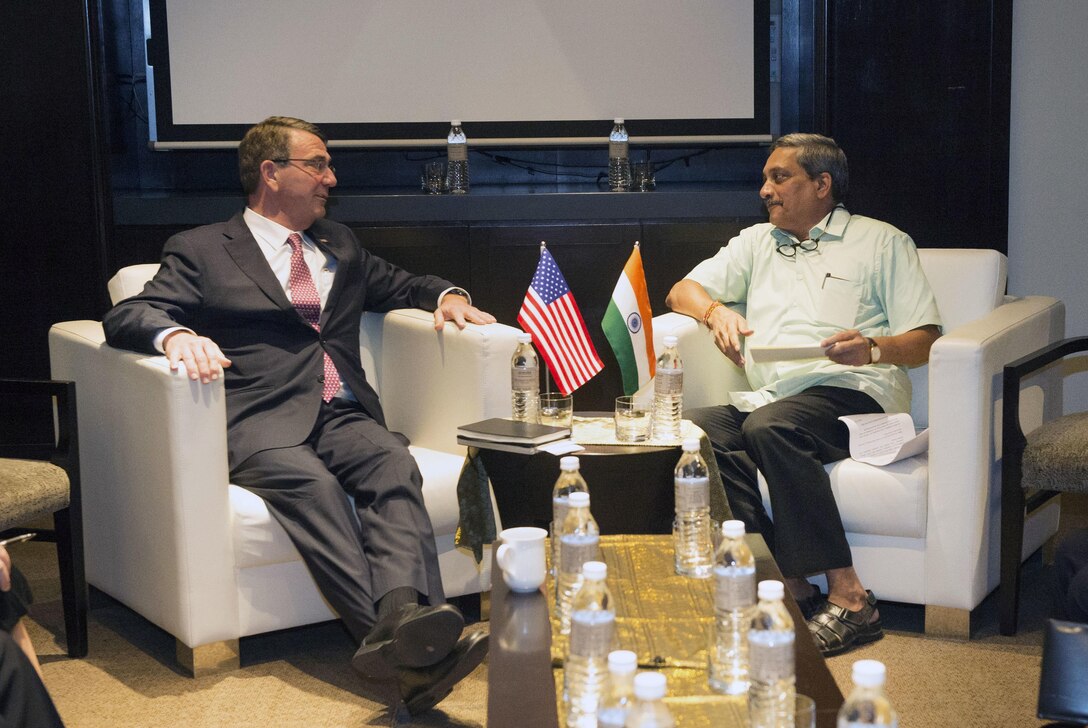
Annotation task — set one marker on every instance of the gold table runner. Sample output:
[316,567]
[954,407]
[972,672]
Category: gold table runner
[665,619]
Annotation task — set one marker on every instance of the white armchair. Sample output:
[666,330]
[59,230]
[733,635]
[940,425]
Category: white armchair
[167,535]
[925,530]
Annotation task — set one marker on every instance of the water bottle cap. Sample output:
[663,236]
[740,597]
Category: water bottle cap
[579,499]
[649,686]
[670,340]
[771,590]
[455,122]
[733,529]
[524,338]
[618,120]
[691,445]
[622,661]
[869,673]
[595,570]
[569,462]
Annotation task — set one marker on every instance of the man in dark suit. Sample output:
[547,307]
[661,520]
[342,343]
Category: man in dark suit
[271,301]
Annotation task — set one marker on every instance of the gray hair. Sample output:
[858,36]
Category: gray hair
[270,139]
[818,154]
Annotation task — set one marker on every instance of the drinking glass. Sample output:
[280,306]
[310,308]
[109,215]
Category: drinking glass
[556,410]
[642,176]
[632,420]
[433,177]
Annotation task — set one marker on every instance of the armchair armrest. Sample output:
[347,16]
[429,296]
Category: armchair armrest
[965,369]
[432,382]
[1014,374]
[154,467]
[709,376]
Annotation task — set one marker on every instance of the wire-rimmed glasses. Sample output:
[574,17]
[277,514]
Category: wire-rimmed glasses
[317,165]
[789,250]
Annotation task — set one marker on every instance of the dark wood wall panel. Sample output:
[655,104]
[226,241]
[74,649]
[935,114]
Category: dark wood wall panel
[918,96]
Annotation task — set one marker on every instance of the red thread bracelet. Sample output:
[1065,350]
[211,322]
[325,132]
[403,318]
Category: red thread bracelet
[710,309]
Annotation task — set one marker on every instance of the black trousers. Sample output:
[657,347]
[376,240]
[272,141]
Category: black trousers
[24,702]
[789,441]
[354,563]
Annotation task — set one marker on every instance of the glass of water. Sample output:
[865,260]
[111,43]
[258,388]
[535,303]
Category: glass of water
[556,410]
[632,419]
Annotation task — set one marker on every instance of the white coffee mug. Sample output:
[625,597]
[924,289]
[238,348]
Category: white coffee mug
[521,558]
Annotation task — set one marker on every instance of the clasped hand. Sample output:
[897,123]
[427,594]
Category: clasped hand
[848,347]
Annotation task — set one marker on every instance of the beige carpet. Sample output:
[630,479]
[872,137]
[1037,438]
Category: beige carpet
[302,678]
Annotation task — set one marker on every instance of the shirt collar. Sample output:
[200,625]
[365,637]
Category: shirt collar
[831,227]
[270,235]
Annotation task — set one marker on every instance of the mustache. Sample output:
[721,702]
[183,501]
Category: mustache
[772,203]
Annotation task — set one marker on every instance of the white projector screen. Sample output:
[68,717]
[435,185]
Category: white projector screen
[394,72]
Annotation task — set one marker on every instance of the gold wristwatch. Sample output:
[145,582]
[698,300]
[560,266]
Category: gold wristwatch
[874,350]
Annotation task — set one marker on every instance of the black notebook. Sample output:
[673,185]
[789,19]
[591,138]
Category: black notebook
[499,429]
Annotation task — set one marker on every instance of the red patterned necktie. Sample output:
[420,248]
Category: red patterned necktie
[307,302]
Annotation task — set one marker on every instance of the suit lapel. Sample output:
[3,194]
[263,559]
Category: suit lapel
[242,247]
[341,250]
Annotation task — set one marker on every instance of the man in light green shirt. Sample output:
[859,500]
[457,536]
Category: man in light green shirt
[814,276]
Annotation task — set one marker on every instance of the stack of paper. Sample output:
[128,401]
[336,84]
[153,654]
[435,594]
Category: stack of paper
[882,439]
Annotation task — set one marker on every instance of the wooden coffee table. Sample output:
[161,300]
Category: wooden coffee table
[651,601]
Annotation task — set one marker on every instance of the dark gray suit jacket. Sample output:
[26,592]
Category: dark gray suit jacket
[216,281]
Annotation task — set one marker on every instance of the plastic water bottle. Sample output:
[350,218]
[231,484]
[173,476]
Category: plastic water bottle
[649,709]
[570,480]
[579,541]
[456,159]
[693,543]
[619,162]
[772,691]
[734,597]
[868,704]
[592,631]
[525,381]
[619,692]
[668,393]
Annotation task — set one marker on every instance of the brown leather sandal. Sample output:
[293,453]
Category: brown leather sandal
[837,629]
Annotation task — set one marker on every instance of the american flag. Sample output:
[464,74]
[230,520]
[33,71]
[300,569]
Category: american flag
[551,315]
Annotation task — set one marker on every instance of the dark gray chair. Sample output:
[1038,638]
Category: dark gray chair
[39,480]
[1063,678]
[1050,460]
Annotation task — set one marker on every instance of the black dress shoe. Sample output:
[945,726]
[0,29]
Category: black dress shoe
[411,637]
[425,688]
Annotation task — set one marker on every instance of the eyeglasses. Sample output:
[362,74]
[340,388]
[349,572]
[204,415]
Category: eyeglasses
[318,165]
[789,250]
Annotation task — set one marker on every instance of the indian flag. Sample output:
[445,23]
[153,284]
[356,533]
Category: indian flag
[628,328]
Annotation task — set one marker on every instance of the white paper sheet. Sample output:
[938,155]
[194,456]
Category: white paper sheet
[764,354]
[881,439]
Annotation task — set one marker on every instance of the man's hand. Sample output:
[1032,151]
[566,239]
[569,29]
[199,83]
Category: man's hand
[911,348]
[728,327]
[847,347]
[5,569]
[457,309]
[202,358]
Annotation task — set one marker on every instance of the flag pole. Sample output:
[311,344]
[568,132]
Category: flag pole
[547,372]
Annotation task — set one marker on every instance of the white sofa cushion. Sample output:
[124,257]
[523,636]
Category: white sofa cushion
[886,501]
